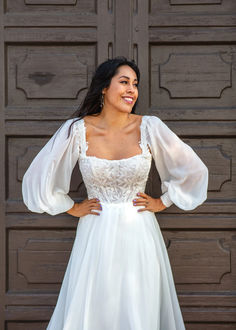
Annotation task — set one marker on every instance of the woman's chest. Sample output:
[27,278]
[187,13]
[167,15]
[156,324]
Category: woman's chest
[115,146]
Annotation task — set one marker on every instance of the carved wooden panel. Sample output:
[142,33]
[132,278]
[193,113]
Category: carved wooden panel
[195,75]
[186,52]
[192,7]
[47,76]
[214,326]
[64,6]
[205,261]
[194,2]
[192,82]
[26,325]
[38,259]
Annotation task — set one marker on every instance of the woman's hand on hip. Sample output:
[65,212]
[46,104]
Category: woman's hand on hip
[81,209]
[150,203]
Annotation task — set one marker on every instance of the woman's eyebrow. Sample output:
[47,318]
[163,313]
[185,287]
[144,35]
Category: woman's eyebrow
[127,77]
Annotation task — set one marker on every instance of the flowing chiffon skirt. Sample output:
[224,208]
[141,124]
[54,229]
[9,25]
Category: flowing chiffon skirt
[118,276]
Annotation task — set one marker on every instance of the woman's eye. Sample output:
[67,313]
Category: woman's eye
[124,81]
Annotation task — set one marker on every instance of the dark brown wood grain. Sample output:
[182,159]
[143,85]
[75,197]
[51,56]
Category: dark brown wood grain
[186,51]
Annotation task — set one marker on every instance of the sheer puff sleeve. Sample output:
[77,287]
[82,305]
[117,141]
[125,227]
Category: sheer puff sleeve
[184,177]
[46,182]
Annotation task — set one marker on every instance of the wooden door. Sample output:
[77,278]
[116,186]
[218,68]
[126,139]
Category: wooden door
[186,50]
[190,53]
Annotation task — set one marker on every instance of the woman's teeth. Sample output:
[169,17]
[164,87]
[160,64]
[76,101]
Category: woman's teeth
[128,100]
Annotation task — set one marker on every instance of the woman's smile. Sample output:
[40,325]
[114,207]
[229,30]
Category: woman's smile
[128,99]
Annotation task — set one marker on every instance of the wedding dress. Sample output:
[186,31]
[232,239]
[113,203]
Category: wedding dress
[119,275]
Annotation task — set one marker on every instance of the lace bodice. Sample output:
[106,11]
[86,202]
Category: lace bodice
[114,181]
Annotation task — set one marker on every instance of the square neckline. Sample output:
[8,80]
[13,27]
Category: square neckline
[114,160]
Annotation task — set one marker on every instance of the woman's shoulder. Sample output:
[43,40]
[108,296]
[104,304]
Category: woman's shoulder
[70,121]
[151,122]
[152,118]
[91,119]
[69,127]
[73,122]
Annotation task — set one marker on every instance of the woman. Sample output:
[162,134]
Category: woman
[118,276]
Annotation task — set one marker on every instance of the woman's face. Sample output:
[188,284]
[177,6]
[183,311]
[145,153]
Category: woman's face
[122,93]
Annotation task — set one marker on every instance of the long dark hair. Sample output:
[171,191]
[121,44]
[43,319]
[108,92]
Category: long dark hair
[102,79]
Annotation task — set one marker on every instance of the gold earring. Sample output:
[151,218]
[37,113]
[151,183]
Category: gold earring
[102,101]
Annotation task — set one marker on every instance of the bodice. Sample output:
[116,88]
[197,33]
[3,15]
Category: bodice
[114,181]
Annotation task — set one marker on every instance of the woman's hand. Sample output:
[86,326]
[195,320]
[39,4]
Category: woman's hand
[80,209]
[150,203]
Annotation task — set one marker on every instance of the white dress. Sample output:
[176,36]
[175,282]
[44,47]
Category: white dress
[119,275]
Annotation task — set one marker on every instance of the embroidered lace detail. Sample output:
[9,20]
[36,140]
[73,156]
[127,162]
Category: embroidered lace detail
[114,180]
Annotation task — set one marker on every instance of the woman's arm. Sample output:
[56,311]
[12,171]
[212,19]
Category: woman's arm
[46,182]
[184,176]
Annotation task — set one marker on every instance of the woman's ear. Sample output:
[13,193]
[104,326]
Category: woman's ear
[104,90]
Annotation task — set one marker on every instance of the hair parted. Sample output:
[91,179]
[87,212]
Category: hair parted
[100,80]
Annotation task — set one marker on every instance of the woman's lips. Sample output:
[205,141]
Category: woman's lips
[127,100]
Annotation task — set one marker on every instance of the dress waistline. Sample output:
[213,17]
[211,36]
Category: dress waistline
[120,205]
[116,204]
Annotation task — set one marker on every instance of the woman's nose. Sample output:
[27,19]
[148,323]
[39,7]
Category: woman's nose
[131,89]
